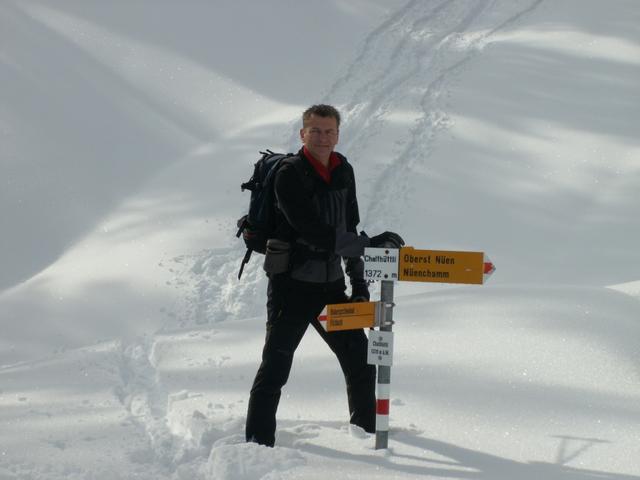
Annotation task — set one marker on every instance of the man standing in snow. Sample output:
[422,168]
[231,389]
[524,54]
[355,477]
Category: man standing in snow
[317,219]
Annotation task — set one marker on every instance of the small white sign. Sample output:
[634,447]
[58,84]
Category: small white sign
[380,348]
[381,264]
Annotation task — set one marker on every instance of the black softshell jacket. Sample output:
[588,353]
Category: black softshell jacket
[317,219]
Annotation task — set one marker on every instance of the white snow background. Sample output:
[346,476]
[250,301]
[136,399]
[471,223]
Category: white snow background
[127,345]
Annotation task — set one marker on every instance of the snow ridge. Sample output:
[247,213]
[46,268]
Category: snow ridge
[413,56]
[141,394]
[210,287]
[179,435]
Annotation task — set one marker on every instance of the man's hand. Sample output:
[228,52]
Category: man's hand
[358,299]
[359,293]
[386,240]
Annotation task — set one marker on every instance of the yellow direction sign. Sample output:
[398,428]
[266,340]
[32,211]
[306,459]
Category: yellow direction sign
[443,266]
[348,316]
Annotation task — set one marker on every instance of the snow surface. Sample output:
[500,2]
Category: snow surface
[128,346]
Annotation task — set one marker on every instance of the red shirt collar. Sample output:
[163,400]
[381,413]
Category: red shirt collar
[324,172]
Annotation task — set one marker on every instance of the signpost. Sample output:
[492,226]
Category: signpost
[380,348]
[389,265]
[349,316]
[381,264]
[443,266]
[384,369]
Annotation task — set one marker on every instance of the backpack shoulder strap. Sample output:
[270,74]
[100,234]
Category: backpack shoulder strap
[304,171]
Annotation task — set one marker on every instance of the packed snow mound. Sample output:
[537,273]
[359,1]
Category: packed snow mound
[250,462]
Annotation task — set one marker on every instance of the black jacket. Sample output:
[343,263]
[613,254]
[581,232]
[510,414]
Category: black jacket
[320,221]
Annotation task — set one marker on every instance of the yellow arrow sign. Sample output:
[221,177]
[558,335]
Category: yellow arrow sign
[348,316]
[443,266]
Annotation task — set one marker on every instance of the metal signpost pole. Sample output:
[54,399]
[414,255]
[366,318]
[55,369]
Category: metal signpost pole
[384,372]
[410,265]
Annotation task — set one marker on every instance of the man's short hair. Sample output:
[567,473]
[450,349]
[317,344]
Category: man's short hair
[321,110]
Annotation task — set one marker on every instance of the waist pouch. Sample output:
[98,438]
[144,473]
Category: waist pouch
[277,256]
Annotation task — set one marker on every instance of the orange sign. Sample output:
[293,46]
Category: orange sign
[348,316]
[443,266]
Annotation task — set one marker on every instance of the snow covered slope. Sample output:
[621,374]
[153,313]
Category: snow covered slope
[496,383]
[128,346]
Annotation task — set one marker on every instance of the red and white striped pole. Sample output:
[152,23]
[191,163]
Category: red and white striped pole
[382,413]
[384,372]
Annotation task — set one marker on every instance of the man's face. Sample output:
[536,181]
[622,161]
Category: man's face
[320,136]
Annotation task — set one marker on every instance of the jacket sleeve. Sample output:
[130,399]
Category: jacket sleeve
[354,264]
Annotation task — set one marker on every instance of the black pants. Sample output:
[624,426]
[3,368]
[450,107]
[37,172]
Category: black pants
[289,314]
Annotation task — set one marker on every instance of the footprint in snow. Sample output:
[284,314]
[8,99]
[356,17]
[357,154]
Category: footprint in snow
[248,461]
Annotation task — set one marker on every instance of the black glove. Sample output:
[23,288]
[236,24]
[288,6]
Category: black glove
[359,292]
[386,240]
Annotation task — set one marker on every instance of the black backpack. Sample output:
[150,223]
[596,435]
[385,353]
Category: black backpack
[260,223]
